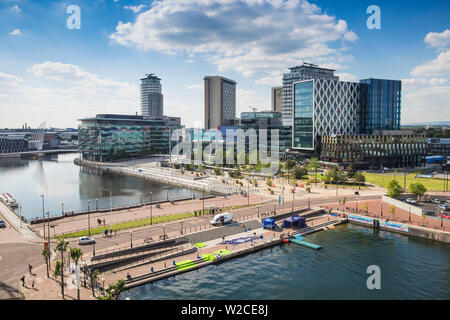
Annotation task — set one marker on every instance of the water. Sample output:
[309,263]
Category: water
[411,268]
[61,181]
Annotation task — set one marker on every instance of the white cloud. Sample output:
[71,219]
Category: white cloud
[16,9]
[347,77]
[16,32]
[194,86]
[65,93]
[425,99]
[253,37]
[438,39]
[248,98]
[437,67]
[135,9]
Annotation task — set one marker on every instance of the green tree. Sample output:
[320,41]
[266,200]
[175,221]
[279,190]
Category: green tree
[113,291]
[57,270]
[351,172]
[75,255]
[300,173]
[314,166]
[93,275]
[46,254]
[269,182]
[290,164]
[393,211]
[418,189]
[394,190]
[359,178]
[217,171]
[61,246]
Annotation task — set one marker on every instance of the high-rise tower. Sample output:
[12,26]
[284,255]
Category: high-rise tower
[151,96]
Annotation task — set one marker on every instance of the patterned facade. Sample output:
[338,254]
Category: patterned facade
[323,107]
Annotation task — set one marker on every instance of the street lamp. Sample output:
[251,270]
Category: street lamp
[151,215]
[89,220]
[164,232]
[96,204]
[48,229]
[20,215]
[131,239]
[62,209]
[43,215]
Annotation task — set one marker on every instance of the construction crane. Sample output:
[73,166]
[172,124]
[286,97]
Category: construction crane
[253,108]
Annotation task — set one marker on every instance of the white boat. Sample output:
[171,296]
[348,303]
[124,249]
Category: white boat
[9,200]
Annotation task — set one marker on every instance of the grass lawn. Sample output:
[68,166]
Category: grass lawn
[432,184]
[142,222]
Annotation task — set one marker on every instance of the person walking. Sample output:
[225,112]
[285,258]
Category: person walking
[29,268]
[32,284]
[23,281]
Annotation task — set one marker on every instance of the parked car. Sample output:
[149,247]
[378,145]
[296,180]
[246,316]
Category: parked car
[435,200]
[444,207]
[2,224]
[411,201]
[429,213]
[85,240]
[448,200]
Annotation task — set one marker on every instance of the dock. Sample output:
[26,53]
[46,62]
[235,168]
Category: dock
[300,240]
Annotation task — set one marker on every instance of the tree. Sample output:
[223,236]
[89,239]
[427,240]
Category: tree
[61,246]
[93,275]
[394,190]
[351,172]
[314,166]
[300,172]
[114,290]
[393,211]
[269,182]
[46,254]
[75,255]
[359,178]
[217,171]
[418,189]
[290,164]
[57,270]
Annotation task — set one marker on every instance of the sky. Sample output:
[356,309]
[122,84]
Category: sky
[56,74]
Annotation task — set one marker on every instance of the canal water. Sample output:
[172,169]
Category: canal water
[63,182]
[411,268]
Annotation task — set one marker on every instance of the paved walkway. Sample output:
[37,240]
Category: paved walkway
[21,227]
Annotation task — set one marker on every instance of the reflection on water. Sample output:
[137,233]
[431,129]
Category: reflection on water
[68,186]
[411,268]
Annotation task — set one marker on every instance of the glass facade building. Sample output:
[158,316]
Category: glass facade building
[391,149]
[110,137]
[303,126]
[380,104]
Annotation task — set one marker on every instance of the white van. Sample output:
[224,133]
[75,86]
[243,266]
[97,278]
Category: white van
[222,218]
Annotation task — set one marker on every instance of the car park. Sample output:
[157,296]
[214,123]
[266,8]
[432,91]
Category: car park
[435,200]
[85,240]
[2,224]
[444,207]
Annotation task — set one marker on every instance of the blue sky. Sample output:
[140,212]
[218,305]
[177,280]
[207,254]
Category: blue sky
[50,73]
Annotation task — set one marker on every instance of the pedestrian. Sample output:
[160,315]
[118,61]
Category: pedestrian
[29,268]
[23,281]
[104,222]
[32,284]
[223,239]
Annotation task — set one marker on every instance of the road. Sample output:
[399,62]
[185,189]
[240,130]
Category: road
[194,224]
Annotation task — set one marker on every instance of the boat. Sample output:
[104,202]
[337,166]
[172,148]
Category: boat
[9,200]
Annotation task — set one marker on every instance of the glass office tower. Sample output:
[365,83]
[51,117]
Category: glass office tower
[380,104]
[303,120]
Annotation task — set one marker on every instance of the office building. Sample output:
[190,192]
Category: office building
[438,146]
[380,104]
[220,102]
[323,107]
[384,148]
[110,137]
[269,121]
[151,96]
[277,100]
[299,73]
